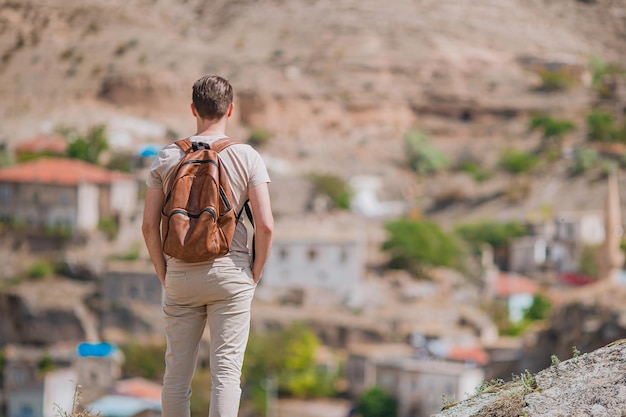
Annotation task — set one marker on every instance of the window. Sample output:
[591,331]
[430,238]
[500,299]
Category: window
[284,254]
[312,254]
[344,255]
[5,193]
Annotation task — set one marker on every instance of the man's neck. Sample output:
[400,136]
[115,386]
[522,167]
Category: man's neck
[210,127]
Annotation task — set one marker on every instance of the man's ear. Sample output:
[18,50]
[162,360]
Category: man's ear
[193,110]
[230,110]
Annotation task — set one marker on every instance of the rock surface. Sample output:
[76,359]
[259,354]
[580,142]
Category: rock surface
[592,384]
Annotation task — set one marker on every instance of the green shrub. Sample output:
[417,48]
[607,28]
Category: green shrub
[40,269]
[259,138]
[539,309]
[497,234]
[143,360]
[600,69]
[287,357]
[551,127]
[90,147]
[518,162]
[555,80]
[585,158]
[375,402]
[588,263]
[109,227]
[476,171]
[601,127]
[424,158]
[334,188]
[416,245]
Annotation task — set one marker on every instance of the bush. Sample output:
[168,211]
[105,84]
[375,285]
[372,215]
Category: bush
[376,402]
[143,360]
[417,245]
[498,235]
[585,159]
[288,357]
[551,127]
[518,162]
[40,269]
[90,147]
[424,158]
[476,171]
[109,227]
[555,80]
[600,69]
[601,127]
[335,188]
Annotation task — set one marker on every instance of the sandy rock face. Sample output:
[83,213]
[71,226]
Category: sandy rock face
[592,384]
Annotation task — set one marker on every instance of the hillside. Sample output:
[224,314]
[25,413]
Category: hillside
[337,84]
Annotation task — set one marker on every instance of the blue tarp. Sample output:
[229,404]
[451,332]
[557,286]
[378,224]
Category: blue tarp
[96,349]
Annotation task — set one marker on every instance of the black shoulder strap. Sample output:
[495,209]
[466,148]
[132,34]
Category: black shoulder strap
[248,210]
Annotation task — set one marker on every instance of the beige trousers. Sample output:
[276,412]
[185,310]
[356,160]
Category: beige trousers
[195,294]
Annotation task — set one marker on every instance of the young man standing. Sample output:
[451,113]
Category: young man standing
[219,291]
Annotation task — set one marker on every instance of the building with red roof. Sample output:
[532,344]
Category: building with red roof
[60,192]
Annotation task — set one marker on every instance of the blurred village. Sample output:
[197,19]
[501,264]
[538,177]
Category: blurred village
[447,183]
[77,284]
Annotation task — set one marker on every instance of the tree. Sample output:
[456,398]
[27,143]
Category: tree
[91,146]
[416,245]
[287,357]
[377,403]
[337,189]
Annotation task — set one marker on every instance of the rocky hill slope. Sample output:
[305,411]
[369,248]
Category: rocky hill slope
[592,384]
[337,84]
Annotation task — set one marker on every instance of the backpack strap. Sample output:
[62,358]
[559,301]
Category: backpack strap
[221,144]
[248,210]
[185,144]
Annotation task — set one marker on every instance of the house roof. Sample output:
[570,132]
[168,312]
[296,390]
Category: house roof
[61,171]
[43,143]
[139,388]
[512,284]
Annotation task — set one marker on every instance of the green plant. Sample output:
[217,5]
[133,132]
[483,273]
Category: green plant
[539,309]
[478,173]
[550,126]
[585,158]
[109,226]
[554,360]
[417,245]
[588,262]
[334,188]
[40,269]
[497,234]
[575,352]
[600,69]
[143,360]
[259,138]
[518,162]
[555,80]
[288,357]
[375,402]
[423,156]
[601,127]
[90,147]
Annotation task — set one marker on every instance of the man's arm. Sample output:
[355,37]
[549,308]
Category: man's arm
[264,227]
[151,229]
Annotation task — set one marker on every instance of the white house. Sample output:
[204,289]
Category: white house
[58,192]
[313,257]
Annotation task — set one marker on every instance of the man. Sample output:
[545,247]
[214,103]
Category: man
[218,290]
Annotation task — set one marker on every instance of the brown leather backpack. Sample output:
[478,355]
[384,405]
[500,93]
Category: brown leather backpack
[198,220]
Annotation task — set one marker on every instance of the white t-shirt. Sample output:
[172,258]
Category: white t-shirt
[245,170]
